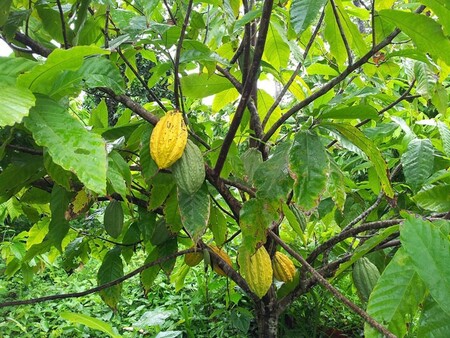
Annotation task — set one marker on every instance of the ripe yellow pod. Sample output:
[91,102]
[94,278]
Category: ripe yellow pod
[257,271]
[283,268]
[168,139]
[224,256]
[193,258]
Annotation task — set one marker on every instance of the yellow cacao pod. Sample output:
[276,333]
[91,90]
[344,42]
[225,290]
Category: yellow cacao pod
[224,256]
[168,139]
[257,270]
[193,258]
[283,268]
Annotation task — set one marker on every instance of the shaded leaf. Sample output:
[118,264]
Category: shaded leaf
[434,323]
[417,162]
[15,103]
[111,269]
[303,13]
[113,219]
[436,198]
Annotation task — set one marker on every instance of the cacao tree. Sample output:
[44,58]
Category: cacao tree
[316,129]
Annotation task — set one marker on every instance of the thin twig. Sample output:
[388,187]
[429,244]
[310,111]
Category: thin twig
[100,287]
[371,321]
[141,80]
[172,17]
[63,24]
[341,31]
[177,86]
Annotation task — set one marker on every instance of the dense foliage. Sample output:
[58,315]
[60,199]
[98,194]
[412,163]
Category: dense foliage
[324,132]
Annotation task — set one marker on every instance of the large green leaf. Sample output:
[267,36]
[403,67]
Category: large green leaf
[69,144]
[218,226]
[396,297]
[198,86]
[355,136]
[360,111]
[436,198]
[59,225]
[434,323]
[426,33]
[308,165]
[15,103]
[41,79]
[111,269]
[5,6]
[442,9]
[90,322]
[425,79]
[194,211]
[417,162]
[429,250]
[333,36]
[255,218]
[303,13]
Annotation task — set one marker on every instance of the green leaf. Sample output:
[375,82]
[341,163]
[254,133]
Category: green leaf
[111,269]
[418,162]
[218,225]
[69,144]
[336,185]
[396,297]
[113,219]
[37,232]
[194,211]
[360,111]
[198,86]
[99,115]
[442,9]
[303,13]
[355,136]
[15,103]
[429,250]
[426,79]
[444,131]
[436,198]
[267,179]
[43,77]
[276,51]
[251,159]
[440,99]
[57,173]
[93,323]
[333,36]
[4,11]
[255,218]
[162,185]
[426,33]
[308,164]
[19,173]
[433,323]
[59,226]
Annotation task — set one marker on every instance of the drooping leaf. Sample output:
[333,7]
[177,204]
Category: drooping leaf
[336,185]
[37,232]
[251,159]
[426,33]
[276,51]
[162,185]
[333,36]
[308,165]
[93,323]
[426,79]
[69,144]
[435,198]
[111,269]
[256,216]
[218,226]
[303,13]
[63,177]
[396,297]
[4,11]
[444,131]
[355,136]
[59,225]
[19,173]
[194,211]
[417,162]
[429,251]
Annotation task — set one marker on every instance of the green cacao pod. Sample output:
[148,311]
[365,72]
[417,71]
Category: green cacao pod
[189,170]
[113,219]
[222,254]
[283,267]
[193,258]
[168,139]
[257,270]
[365,275]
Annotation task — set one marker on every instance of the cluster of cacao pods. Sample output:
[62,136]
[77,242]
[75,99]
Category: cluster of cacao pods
[170,147]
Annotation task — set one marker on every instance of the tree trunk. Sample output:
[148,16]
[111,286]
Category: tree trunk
[267,316]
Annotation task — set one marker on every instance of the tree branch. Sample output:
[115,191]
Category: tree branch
[177,86]
[248,86]
[372,322]
[341,31]
[35,46]
[63,24]
[100,287]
